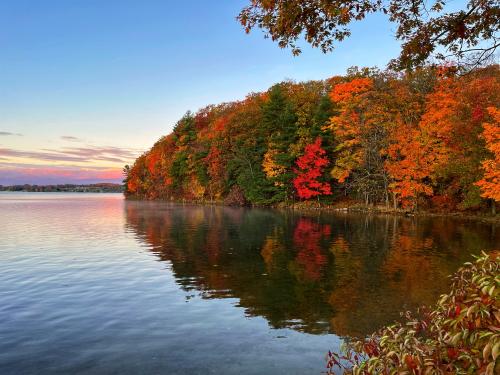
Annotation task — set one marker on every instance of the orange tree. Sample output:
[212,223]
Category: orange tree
[490,183]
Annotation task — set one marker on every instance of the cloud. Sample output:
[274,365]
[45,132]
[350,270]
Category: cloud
[46,174]
[64,165]
[71,138]
[75,154]
[8,152]
[11,165]
[9,133]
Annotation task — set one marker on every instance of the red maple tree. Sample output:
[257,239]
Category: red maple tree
[309,170]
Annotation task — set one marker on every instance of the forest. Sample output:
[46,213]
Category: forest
[422,140]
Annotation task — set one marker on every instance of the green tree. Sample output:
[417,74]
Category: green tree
[279,121]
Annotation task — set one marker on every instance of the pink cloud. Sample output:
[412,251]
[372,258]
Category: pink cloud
[13,175]
[75,154]
[30,172]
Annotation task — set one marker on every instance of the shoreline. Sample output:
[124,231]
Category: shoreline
[342,208]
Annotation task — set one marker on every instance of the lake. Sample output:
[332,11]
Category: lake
[91,283]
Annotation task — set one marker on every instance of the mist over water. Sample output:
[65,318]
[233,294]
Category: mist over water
[90,283]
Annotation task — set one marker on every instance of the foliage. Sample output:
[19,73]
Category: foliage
[420,139]
[360,128]
[309,169]
[425,29]
[459,335]
[490,184]
[236,197]
[280,120]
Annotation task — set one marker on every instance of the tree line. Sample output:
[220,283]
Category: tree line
[423,139]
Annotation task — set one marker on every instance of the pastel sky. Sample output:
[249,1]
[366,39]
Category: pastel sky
[87,85]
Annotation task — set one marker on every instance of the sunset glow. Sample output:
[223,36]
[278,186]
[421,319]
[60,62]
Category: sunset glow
[86,89]
[65,160]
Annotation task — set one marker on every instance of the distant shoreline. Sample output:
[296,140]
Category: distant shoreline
[65,191]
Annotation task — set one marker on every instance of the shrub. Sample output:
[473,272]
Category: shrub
[461,335]
[236,197]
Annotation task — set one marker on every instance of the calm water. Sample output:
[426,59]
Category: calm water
[94,284]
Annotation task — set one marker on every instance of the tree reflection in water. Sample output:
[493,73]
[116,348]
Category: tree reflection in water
[346,274]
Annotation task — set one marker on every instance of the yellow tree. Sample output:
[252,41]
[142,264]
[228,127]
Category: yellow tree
[271,168]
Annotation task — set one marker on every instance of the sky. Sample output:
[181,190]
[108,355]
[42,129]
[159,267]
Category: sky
[88,85]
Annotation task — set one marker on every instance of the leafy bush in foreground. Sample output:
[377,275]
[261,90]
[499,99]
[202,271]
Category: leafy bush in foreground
[461,335]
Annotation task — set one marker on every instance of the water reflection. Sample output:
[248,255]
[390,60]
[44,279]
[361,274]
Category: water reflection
[314,272]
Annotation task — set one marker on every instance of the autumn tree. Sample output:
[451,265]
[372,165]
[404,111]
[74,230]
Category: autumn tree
[450,129]
[309,170]
[312,108]
[409,166]
[246,143]
[345,126]
[490,183]
[216,172]
[360,130]
[426,30]
[136,179]
[279,119]
[406,159]
[474,94]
